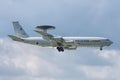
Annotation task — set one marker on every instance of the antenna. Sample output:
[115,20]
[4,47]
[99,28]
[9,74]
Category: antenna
[44,28]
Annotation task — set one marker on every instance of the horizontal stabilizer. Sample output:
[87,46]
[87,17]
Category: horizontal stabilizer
[15,38]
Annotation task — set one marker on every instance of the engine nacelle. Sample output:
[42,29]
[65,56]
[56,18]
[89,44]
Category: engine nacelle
[69,43]
[71,48]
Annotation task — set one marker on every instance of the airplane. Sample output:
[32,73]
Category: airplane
[60,43]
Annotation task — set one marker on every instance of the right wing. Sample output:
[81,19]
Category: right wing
[56,39]
[44,34]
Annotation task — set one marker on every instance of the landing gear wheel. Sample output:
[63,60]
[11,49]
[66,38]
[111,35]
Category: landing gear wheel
[60,49]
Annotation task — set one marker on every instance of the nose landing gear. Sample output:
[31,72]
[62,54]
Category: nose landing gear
[101,48]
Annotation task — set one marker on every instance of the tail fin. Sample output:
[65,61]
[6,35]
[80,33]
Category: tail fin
[19,31]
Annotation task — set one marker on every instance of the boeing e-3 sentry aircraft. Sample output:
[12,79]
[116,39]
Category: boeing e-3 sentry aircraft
[60,43]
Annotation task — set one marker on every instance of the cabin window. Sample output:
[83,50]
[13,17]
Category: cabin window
[107,39]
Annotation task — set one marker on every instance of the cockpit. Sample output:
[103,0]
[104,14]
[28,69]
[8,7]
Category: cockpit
[107,40]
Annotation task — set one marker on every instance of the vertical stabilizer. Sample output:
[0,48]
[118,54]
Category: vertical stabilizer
[19,31]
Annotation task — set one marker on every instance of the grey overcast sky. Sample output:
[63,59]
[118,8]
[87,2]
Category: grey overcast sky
[71,18]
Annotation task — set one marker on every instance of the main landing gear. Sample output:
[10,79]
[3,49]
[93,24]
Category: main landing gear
[60,49]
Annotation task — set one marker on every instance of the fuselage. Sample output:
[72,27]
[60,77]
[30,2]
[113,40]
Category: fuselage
[90,41]
[71,41]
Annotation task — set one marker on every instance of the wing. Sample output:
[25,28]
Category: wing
[58,40]
[44,34]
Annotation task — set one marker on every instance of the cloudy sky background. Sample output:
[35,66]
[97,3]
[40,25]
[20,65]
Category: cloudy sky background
[71,18]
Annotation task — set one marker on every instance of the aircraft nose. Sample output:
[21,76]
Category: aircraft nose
[111,42]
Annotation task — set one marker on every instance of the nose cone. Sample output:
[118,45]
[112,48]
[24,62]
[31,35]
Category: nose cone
[110,42]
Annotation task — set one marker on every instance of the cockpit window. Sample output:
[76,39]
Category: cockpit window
[107,39]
